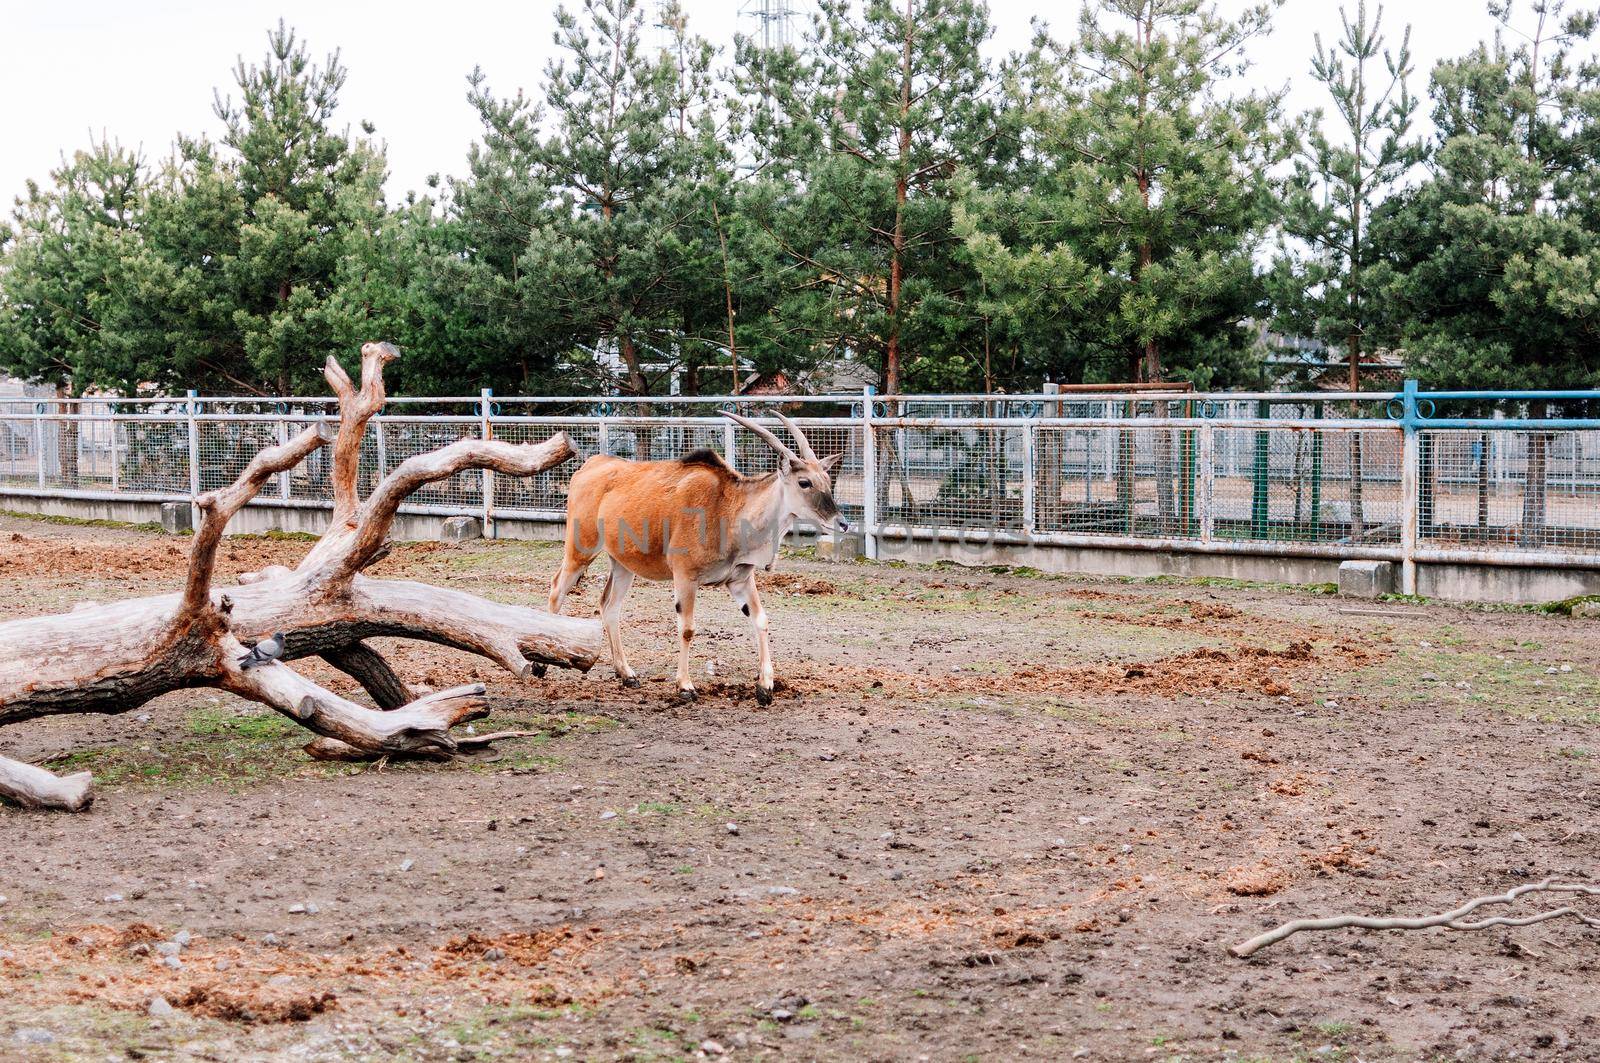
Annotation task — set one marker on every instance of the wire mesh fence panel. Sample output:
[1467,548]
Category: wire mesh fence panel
[544,492]
[67,451]
[97,452]
[1509,489]
[19,454]
[226,447]
[311,480]
[405,437]
[153,456]
[956,477]
[661,439]
[1307,485]
[1137,480]
[1077,464]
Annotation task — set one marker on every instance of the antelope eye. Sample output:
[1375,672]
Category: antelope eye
[806,484]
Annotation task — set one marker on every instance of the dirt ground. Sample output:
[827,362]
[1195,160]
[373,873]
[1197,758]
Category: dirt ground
[991,816]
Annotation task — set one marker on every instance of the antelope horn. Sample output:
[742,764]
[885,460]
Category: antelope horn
[772,441]
[799,437]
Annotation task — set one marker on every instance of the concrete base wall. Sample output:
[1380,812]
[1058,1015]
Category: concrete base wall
[1099,561]
[1450,582]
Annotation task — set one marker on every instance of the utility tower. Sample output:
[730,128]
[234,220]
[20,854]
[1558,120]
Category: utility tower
[775,21]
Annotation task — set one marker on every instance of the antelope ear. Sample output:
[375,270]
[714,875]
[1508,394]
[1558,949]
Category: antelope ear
[831,462]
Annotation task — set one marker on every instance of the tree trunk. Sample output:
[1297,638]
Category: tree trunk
[67,438]
[1357,515]
[727,293]
[113,658]
[902,186]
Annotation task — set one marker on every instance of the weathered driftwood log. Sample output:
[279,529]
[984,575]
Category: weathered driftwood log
[112,658]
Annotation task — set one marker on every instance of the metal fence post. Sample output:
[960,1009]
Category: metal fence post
[1030,479]
[38,441]
[486,428]
[383,446]
[1261,480]
[116,466]
[1410,488]
[286,475]
[1205,500]
[190,409]
[869,477]
[730,445]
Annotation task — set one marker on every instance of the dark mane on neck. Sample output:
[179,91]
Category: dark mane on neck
[710,459]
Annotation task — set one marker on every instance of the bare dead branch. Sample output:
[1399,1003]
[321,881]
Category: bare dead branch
[366,666]
[356,408]
[421,726]
[1451,920]
[376,515]
[333,749]
[36,788]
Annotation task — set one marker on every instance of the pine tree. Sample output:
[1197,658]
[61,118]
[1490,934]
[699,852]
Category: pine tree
[309,192]
[478,311]
[607,250]
[1131,237]
[62,291]
[248,245]
[1495,255]
[858,136]
[1338,182]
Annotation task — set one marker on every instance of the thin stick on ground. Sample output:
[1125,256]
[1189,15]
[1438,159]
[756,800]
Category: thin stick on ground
[1456,919]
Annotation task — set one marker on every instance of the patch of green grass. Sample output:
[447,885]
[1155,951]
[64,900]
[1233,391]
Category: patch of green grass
[530,753]
[221,745]
[85,522]
[274,535]
[1228,583]
[1520,688]
[492,1023]
[1334,1029]
[1565,605]
[1029,572]
[218,720]
[1574,753]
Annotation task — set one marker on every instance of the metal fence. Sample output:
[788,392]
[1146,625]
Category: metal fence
[1365,476]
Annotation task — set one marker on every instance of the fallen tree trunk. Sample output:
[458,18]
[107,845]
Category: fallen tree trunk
[113,658]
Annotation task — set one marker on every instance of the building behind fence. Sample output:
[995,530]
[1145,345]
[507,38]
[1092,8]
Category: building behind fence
[1507,479]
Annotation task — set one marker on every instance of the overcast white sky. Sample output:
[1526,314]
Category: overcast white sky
[140,70]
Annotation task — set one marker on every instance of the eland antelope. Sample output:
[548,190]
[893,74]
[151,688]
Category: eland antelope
[697,522]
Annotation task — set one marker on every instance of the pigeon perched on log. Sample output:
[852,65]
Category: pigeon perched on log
[264,652]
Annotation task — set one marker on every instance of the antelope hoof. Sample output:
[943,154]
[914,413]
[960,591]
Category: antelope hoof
[763,694]
[687,694]
[630,681]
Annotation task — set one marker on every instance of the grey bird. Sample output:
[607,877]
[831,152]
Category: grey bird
[264,652]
